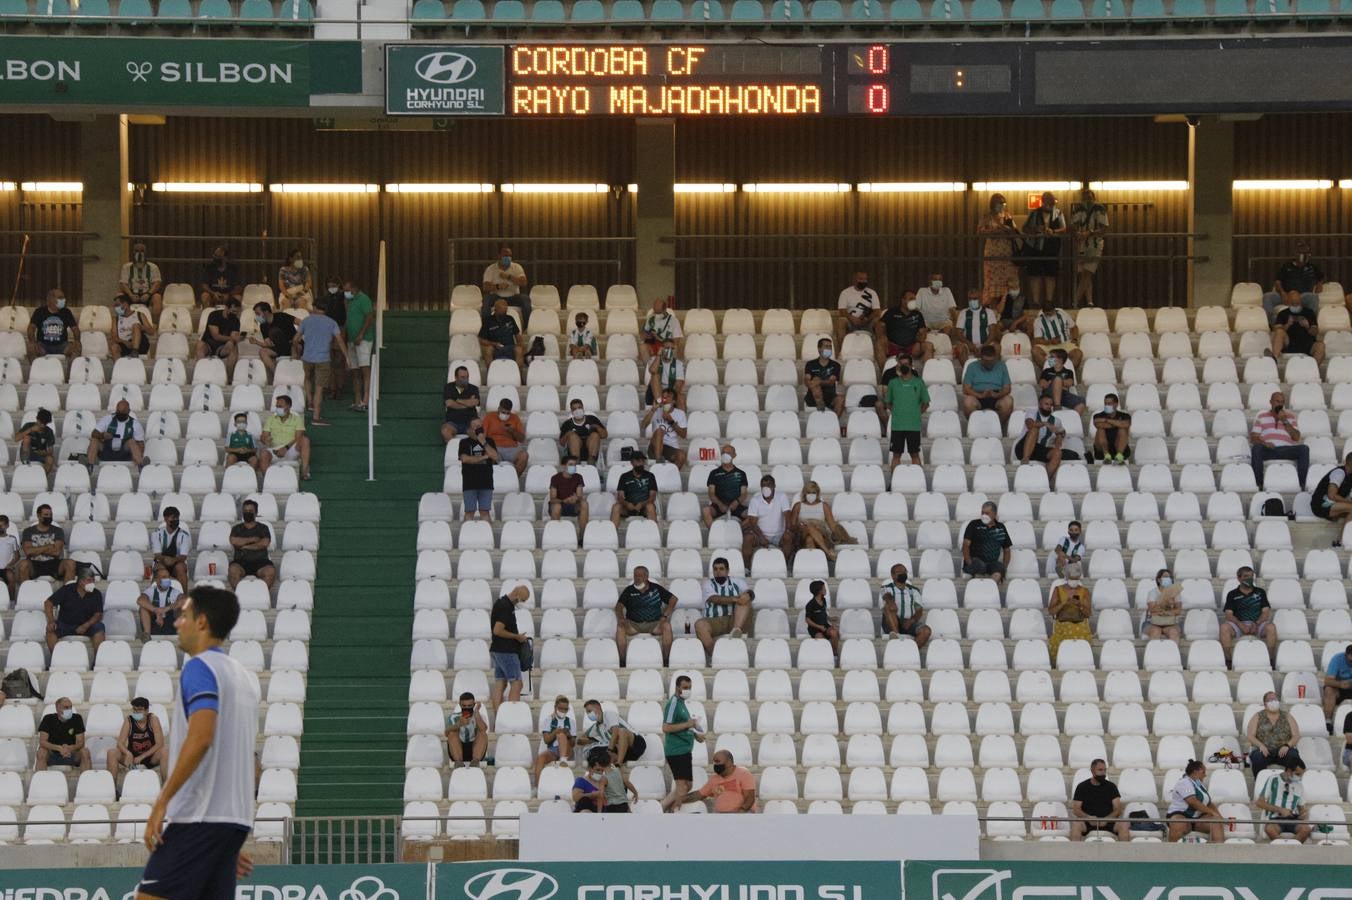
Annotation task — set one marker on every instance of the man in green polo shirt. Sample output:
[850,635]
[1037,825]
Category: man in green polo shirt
[908,399]
[361,341]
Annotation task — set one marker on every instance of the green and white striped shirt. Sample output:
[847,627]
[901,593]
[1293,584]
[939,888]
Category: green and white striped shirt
[1055,327]
[907,599]
[1281,793]
[731,588]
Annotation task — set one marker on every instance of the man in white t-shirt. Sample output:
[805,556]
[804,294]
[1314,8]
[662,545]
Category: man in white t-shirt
[9,556]
[506,279]
[936,304]
[660,329]
[858,308]
[664,424]
[118,437]
[140,281]
[766,519]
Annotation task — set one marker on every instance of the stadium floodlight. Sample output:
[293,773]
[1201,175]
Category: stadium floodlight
[1345,183]
[8,186]
[803,187]
[469,188]
[1138,185]
[324,188]
[704,188]
[56,187]
[207,187]
[1030,186]
[912,187]
[512,188]
[1287,184]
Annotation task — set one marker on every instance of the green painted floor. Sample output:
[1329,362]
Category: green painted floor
[356,708]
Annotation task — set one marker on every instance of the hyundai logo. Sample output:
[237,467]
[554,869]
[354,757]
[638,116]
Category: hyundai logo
[445,68]
[519,884]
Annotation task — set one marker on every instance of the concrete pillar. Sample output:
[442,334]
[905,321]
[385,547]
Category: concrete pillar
[1211,171]
[106,202]
[654,173]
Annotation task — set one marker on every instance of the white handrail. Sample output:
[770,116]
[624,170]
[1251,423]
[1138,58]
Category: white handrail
[372,406]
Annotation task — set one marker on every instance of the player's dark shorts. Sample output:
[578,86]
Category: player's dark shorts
[905,442]
[194,860]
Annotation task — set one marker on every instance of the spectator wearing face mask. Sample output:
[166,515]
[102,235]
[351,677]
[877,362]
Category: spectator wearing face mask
[822,378]
[1190,802]
[1042,246]
[478,455]
[1247,612]
[666,372]
[767,518]
[986,546]
[857,309]
[731,787]
[937,304]
[661,327]
[606,729]
[359,323]
[1112,432]
[140,742]
[999,232]
[589,790]
[812,526]
[1331,499]
[665,424]
[1058,381]
[505,280]
[318,339]
[680,731]
[1163,609]
[1272,736]
[1042,438]
[240,446]
[37,441]
[251,540]
[118,437]
[986,385]
[1295,329]
[605,770]
[129,334]
[566,494]
[220,280]
[76,610]
[500,336]
[581,341]
[504,649]
[1070,608]
[505,429]
[462,405]
[817,621]
[1089,222]
[467,733]
[295,284]
[61,739]
[44,546]
[276,334]
[284,437]
[222,335]
[1054,330]
[1097,805]
[159,604]
[1275,436]
[902,332]
[9,558]
[140,281]
[1013,308]
[644,607]
[726,487]
[1301,274]
[557,733]
[636,493]
[908,400]
[581,434]
[171,545]
[1282,804]
[727,607]
[902,610]
[977,325]
[1070,549]
[52,330]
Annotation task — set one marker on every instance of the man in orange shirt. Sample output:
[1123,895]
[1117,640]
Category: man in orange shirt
[506,431]
[732,787]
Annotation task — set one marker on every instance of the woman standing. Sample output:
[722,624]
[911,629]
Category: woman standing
[1070,608]
[997,267]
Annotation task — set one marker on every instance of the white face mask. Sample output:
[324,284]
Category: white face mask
[1273,705]
[299,263]
[1073,582]
[1166,580]
[1013,292]
[767,492]
[591,720]
[504,416]
[66,714]
[667,407]
[571,469]
[241,426]
[936,285]
[913,305]
[986,520]
[683,694]
[278,411]
[726,459]
[810,497]
[826,353]
[1110,408]
[578,415]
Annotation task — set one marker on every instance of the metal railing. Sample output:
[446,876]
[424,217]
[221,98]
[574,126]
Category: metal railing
[377,351]
[808,270]
[257,256]
[33,262]
[560,261]
[1259,256]
[337,840]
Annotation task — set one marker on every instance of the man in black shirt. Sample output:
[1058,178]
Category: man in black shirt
[504,647]
[278,332]
[1112,432]
[1295,329]
[37,441]
[903,330]
[1247,612]
[500,336]
[220,280]
[478,456]
[1058,382]
[44,549]
[644,608]
[251,540]
[727,489]
[75,610]
[636,494]
[580,435]
[61,738]
[1097,805]
[222,336]
[52,330]
[462,405]
[1301,274]
[986,545]
[822,377]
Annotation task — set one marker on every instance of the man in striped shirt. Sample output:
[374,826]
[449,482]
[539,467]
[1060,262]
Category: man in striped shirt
[902,610]
[727,607]
[1280,802]
[1275,436]
[1054,330]
[977,325]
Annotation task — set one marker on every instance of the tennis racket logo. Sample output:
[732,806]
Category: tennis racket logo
[969,884]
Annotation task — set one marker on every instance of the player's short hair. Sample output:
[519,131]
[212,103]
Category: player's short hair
[221,607]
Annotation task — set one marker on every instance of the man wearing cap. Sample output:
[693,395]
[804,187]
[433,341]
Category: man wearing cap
[140,742]
[76,610]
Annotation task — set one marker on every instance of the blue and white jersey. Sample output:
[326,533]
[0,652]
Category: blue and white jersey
[222,788]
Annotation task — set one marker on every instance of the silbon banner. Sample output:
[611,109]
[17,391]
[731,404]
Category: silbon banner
[684,880]
[374,882]
[997,880]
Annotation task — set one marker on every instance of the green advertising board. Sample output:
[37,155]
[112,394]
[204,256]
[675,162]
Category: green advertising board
[444,80]
[400,881]
[1000,880]
[159,72]
[670,880]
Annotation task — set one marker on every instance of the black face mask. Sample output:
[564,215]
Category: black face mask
[861,285]
[122,417]
[721,579]
[900,579]
[45,520]
[720,769]
[250,516]
[904,371]
[1074,535]
[466,710]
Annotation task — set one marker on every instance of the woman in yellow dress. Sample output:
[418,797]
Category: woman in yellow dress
[997,268]
[1070,608]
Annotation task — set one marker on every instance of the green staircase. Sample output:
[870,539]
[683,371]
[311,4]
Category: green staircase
[356,707]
